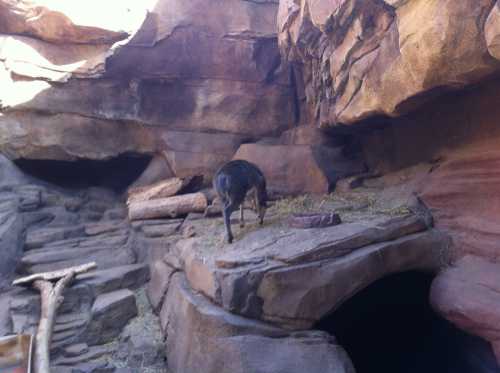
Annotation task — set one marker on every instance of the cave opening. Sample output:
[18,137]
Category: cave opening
[116,173]
[390,327]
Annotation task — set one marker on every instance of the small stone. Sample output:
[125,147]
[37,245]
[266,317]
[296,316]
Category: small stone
[314,220]
[76,350]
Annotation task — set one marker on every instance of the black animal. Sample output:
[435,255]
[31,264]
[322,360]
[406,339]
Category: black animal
[232,182]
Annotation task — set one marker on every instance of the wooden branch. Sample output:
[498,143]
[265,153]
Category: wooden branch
[161,189]
[49,276]
[51,299]
[167,207]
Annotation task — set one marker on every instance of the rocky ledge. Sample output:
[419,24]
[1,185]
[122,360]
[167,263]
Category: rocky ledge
[226,307]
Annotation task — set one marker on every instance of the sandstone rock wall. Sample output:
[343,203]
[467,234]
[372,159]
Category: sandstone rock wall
[192,79]
[457,136]
[358,59]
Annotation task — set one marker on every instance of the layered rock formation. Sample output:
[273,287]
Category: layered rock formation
[246,307]
[357,59]
[46,228]
[365,61]
[192,80]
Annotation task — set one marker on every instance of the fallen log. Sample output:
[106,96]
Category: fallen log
[161,189]
[170,207]
[51,299]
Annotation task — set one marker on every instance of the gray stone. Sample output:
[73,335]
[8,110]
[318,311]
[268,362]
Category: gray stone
[10,174]
[85,355]
[55,259]
[110,313]
[75,350]
[5,319]
[104,281]
[40,237]
[158,286]
[11,232]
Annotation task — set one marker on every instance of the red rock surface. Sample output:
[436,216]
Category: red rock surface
[190,79]
[360,58]
[468,294]
[296,169]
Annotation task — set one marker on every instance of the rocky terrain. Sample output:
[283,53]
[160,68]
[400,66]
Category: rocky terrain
[384,111]
[52,228]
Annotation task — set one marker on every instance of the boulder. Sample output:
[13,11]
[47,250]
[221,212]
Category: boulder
[358,59]
[298,169]
[468,295]
[203,337]
[198,153]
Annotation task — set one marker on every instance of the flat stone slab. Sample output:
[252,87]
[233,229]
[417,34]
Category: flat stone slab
[263,275]
[295,246]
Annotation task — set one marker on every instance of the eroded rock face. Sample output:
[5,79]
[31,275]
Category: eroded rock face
[298,169]
[468,295]
[143,77]
[357,59]
[226,307]
[203,337]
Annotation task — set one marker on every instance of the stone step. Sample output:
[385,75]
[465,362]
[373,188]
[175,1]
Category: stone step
[39,237]
[78,322]
[117,238]
[93,367]
[95,229]
[92,353]
[105,257]
[123,277]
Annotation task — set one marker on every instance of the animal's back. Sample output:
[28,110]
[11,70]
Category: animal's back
[236,177]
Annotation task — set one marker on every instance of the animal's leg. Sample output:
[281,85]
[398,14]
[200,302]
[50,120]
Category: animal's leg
[228,210]
[255,202]
[258,207]
[242,219]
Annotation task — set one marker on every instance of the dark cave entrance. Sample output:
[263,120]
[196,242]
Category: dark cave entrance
[389,327]
[116,173]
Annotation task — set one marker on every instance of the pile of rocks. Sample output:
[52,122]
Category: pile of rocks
[44,228]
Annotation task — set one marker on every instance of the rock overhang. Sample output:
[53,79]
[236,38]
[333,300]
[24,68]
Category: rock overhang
[294,278]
